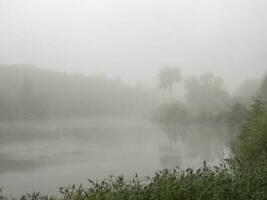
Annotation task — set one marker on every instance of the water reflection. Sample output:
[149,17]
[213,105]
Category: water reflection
[70,151]
[44,155]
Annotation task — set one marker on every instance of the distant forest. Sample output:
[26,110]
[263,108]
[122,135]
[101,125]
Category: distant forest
[27,92]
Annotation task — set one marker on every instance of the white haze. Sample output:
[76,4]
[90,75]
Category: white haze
[133,39]
[58,129]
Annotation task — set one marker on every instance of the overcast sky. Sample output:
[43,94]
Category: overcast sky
[132,39]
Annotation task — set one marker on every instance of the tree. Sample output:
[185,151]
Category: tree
[168,76]
[253,139]
[236,119]
[205,94]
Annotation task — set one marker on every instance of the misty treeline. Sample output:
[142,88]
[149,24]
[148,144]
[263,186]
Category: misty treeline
[209,118]
[27,92]
[205,94]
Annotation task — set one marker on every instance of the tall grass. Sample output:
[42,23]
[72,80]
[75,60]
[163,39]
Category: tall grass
[221,182]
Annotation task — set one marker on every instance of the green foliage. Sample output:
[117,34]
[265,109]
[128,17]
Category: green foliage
[217,183]
[251,152]
[236,120]
[254,135]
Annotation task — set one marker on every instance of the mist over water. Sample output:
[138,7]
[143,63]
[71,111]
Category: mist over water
[44,155]
[100,87]
[59,129]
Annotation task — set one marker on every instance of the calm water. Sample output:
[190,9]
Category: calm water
[41,156]
[44,155]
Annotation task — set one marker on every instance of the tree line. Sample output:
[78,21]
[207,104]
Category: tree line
[27,92]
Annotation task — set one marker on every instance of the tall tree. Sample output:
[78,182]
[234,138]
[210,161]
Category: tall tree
[168,76]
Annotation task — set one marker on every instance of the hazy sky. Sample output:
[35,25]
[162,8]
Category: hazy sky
[132,39]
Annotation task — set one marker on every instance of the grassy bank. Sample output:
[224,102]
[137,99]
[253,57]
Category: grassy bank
[222,182]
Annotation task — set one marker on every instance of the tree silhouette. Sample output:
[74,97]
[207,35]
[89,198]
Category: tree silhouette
[206,93]
[168,76]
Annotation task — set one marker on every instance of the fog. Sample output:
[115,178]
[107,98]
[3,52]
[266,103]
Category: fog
[92,88]
[133,39]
